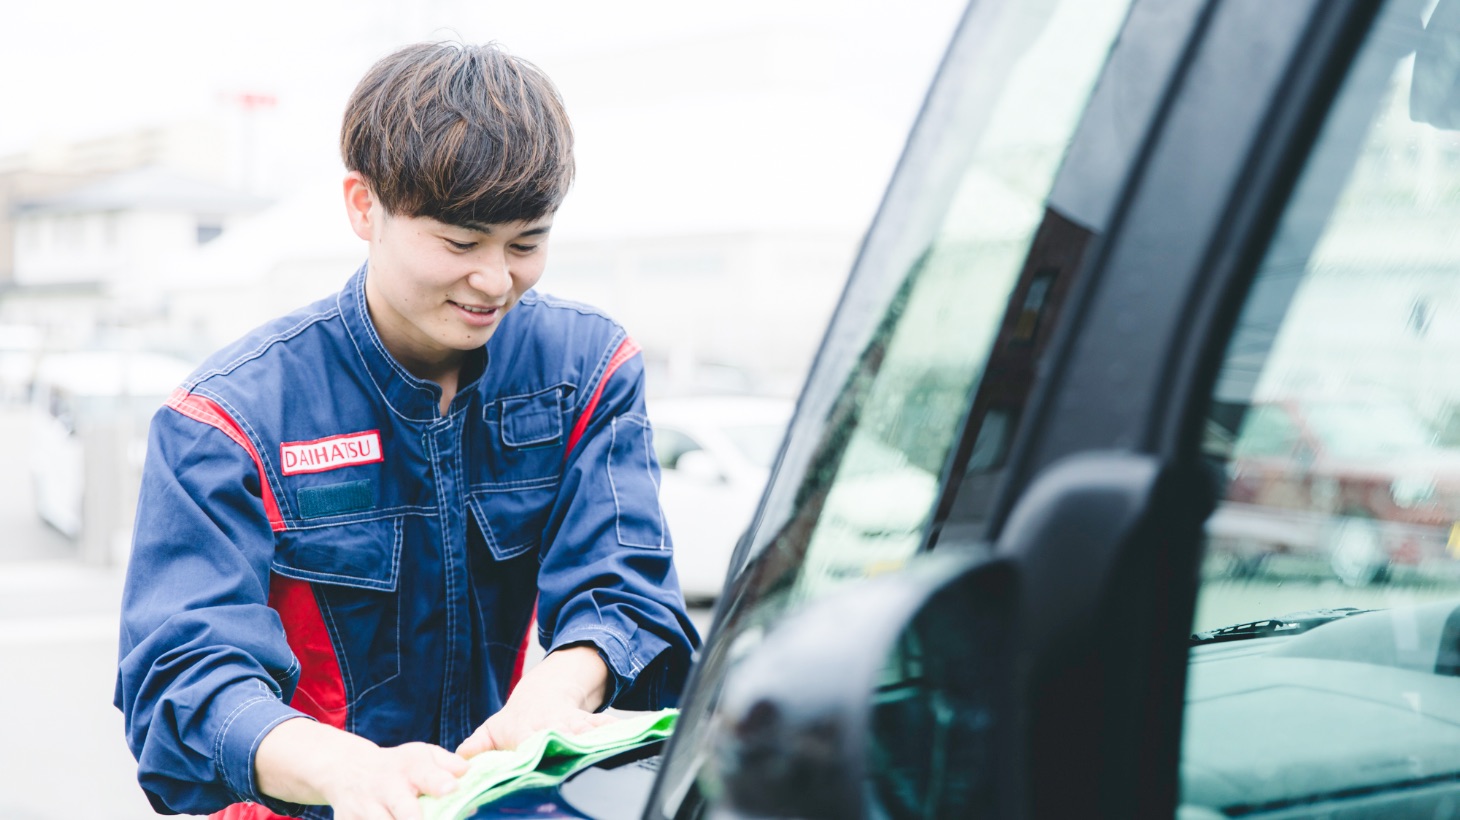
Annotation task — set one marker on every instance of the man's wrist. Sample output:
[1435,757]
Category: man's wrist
[299,761]
[579,671]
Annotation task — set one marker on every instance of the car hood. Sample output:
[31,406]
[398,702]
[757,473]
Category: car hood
[1370,703]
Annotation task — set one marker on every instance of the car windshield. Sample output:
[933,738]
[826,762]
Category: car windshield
[858,481]
[758,443]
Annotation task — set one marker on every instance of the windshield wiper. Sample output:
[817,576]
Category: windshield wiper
[1294,623]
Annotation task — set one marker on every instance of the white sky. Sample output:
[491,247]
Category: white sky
[798,106]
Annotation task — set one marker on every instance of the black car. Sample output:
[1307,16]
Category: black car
[975,584]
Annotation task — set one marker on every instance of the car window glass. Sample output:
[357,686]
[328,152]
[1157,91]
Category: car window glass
[907,399]
[864,505]
[1322,677]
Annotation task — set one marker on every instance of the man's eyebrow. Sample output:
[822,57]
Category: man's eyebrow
[482,227]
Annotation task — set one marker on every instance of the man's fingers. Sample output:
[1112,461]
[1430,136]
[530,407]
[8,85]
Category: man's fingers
[578,724]
[454,763]
[603,719]
[405,807]
[480,741]
[429,773]
[433,781]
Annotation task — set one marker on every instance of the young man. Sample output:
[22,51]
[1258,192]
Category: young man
[348,517]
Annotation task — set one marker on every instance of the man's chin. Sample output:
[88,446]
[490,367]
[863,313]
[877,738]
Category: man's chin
[472,340]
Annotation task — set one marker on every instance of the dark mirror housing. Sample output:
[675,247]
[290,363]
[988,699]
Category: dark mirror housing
[882,692]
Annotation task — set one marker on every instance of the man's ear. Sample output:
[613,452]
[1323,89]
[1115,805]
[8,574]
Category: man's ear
[360,205]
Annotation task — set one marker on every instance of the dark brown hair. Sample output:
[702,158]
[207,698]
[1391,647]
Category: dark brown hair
[460,133]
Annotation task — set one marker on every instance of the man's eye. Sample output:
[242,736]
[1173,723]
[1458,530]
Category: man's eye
[461,246]
[524,248]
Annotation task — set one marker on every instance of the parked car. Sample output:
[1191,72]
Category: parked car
[97,399]
[1357,488]
[20,346]
[714,453]
[1114,220]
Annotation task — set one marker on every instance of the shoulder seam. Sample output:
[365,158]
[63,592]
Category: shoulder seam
[283,335]
[549,301]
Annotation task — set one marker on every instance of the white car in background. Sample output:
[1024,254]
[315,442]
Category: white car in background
[93,399]
[715,454]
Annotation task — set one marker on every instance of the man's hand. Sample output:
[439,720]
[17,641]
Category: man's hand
[560,693]
[306,762]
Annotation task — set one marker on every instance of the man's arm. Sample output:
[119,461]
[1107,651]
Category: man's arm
[609,606]
[204,668]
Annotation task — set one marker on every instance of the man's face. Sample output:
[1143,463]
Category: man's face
[436,290]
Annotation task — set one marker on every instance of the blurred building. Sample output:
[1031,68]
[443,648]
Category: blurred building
[94,256]
[88,227]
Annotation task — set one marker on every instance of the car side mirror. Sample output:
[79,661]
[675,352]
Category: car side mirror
[880,700]
[700,466]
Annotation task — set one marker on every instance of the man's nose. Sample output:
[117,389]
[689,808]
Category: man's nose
[490,274]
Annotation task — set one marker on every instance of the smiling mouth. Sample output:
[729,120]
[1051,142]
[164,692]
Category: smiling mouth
[480,311]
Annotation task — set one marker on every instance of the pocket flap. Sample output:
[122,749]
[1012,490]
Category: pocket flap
[362,554]
[532,421]
[512,521]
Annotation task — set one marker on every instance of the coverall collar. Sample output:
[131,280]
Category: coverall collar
[410,397]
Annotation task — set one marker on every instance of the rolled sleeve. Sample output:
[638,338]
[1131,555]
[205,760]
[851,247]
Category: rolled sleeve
[238,742]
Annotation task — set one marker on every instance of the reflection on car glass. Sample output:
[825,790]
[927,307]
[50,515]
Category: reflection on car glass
[1342,502]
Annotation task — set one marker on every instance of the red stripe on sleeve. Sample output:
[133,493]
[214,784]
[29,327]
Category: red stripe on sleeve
[246,811]
[208,412]
[626,351]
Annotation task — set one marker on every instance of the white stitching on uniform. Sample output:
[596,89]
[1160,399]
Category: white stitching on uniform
[223,733]
[334,634]
[508,486]
[614,343]
[648,468]
[378,388]
[327,522]
[617,509]
[548,300]
[263,345]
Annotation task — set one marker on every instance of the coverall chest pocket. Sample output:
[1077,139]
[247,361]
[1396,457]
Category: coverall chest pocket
[522,468]
[353,569]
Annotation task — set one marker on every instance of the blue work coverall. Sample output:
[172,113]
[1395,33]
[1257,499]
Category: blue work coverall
[314,537]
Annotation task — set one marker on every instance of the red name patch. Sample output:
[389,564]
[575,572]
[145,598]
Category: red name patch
[330,453]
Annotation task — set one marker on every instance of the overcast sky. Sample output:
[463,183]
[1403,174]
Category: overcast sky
[802,104]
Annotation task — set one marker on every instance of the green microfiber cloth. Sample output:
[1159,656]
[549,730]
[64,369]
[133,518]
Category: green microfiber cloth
[543,759]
